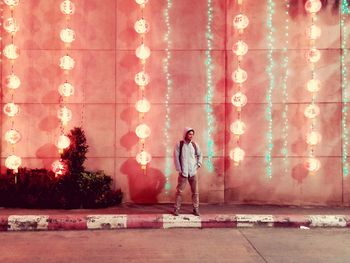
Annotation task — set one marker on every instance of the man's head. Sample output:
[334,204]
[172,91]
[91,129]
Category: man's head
[189,133]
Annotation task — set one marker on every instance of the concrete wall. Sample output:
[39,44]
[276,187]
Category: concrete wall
[106,94]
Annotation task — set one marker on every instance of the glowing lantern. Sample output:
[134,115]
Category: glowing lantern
[66,89]
[143,131]
[141,2]
[67,7]
[313,6]
[313,85]
[142,78]
[63,142]
[239,100]
[11,26]
[12,136]
[313,55]
[12,81]
[11,109]
[240,22]
[240,48]
[239,76]
[59,167]
[11,51]
[143,106]
[312,164]
[11,3]
[143,158]
[67,35]
[313,32]
[312,111]
[67,62]
[237,155]
[143,52]
[141,26]
[13,162]
[64,114]
[313,138]
[238,127]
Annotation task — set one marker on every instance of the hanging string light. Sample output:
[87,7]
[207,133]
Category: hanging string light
[169,88]
[239,76]
[344,84]
[12,83]
[285,129]
[270,41]
[65,89]
[210,87]
[312,111]
[142,79]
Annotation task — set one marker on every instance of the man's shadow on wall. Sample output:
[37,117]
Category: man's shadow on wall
[144,186]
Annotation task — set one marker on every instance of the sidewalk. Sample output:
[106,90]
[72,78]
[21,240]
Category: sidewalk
[159,216]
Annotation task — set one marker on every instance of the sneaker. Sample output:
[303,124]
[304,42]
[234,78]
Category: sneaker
[176,212]
[196,212]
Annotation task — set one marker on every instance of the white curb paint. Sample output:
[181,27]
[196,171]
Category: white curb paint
[251,220]
[106,221]
[170,221]
[327,221]
[27,222]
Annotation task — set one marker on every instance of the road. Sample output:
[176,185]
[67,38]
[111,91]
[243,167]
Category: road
[275,245]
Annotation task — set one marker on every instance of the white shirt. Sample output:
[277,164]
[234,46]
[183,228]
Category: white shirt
[190,162]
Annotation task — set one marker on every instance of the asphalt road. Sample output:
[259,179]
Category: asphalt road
[278,245]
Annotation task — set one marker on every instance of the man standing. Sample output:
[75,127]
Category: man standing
[188,158]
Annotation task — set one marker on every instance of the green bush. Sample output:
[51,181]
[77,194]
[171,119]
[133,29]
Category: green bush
[78,188]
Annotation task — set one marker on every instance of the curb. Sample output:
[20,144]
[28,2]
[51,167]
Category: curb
[166,221]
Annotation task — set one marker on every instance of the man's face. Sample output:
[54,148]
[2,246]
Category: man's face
[189,136]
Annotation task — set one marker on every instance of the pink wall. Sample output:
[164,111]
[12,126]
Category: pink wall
[106,94]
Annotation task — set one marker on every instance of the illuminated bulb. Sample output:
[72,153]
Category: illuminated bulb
[12,81]
[240,48]
[238,127]
[313,6]
[312,164]
[240,21]
[311,111]
[313,85]
[67,7]
[143,106]
[237,155]
[313,32]
[67,62]
[13,162]
[66,89]
[239,76]
[141,2]
[142,78]
[143,52]
[11,109]
[11,26]
[313,55]
[67,35]
[141,26]
[11,51]
[59,167]
[11,2]
[143,158]
[63,142]
[239,100]
[64,114]
[143,131]
[313,138]
[12,136]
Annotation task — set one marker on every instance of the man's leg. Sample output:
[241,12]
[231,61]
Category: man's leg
[195,193]
[181,183]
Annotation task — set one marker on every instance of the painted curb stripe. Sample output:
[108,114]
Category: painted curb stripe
[182,221]
[27,222]
[69,222]
[145,221]
[106,221]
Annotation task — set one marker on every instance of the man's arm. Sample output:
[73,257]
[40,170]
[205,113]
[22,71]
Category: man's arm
[200,156]
[176,158]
